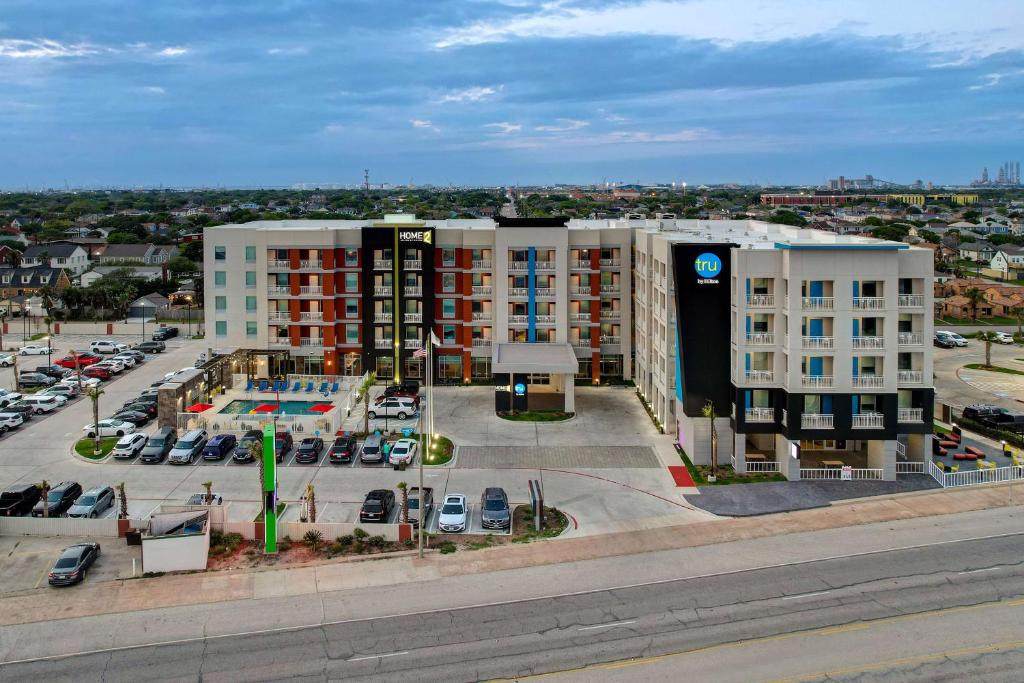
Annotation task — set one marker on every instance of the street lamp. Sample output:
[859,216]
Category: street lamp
[188,308]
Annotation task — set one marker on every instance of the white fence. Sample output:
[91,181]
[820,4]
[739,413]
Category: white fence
[987,476]
[58,526]
[762,466]
[332,530]
[910,468]
[838,473]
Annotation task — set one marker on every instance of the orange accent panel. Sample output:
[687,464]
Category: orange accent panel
[294,308]
[329,310]
[293,258]
[595,366]
[294,335]
[328,337]
[294,283]
[466,365]
[595,258]
[328,283]
[328,257]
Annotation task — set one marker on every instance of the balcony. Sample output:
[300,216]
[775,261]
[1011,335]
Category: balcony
[311,290]
[381,317]
[518,266]
[481,290]
[278,263]
[760,301]
[868,303]
[909,377]
[413,344]
[911,415]
[580,343]
[581,291]
[611,314]
[610,340]
[580,317]
[482,264]
[518,291]
[911,339]
[580,265]
[818,303]
[480,343]
[310,263]
[761,339]
[868,381]
[311,341]
[759,415]
[911,301]
[610,262]
[519,320]
[278,290]
[280,342]
[544,265]
[868,343]
[448,263]
[412,317]
[759,376]
[816,421]
[869,421]
[545,319]
[412,264]
[545,292]
[311,316]
[382,344]
[817,343]
[481,316]
[279,316]
[816,381]
[382,290]
[383,264]
[413,290]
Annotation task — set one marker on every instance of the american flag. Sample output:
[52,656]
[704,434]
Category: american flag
[419,353]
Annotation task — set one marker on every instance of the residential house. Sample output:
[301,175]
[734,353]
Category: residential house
[960,307]
[957,286]
[144,254]
[67,255]
[13,235]
[19,222]
[149,306]
[22,281]
[144,272]
[1008,261]
[980,252]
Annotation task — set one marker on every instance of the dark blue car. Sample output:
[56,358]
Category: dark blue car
[219,446]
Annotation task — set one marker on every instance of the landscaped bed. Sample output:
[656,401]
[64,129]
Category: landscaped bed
[87,447]
[536,416]
[724,474]
[992,368]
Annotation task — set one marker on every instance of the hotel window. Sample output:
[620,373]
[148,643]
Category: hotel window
[448,334]
[250,328]
[219,253]
[447,282]
[220,303]
[250,278]
[220,278]
[250,303]
[351,308]
[351,334]
[545,335]
[250,253]
[222,328]
[447,257]
[351,282]
[448,308]
[351,257]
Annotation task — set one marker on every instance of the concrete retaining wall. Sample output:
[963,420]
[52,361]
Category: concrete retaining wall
[58,526]
[331,530]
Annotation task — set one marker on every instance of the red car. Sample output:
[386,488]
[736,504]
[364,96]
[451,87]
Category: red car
[84,360]
[98,373]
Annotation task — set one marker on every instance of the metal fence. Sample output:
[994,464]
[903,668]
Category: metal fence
[762,466]
[855,473]
[910,468]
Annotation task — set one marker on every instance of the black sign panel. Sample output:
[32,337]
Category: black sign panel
[702,274]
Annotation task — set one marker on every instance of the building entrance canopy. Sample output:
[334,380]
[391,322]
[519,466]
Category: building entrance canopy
[534,359]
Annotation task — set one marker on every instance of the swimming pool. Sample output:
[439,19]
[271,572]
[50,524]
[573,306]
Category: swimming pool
[244,407]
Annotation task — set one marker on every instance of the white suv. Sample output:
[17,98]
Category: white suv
[9,421]
[42,403]
[395,406]
[106,346]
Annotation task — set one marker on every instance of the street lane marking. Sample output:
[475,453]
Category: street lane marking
[612,625]
[978,571]
[389,654]
[808,595]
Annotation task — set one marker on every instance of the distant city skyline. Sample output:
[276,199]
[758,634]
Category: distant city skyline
[452,92]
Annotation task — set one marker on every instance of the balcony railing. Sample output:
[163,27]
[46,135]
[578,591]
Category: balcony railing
[482,264]
[279,289]
[911,301]
[581,291]
[382,290]
[580,265]
[546,319]
[581,343]
[761,415]
[759,376]
[580,317]
[413,343]
[818,303]
[869,421]
[278,316]
[610,288]
[760,301]
[868,303]
[610,339]
[544,265]
[479,343]
[481,315]
[868,381]
[817,342]
[278,263]
[383,264]
[911,339]
[519,266]
[610,315]
[447,263]
[817,381]
[816,421]
[869,342]
[310,263]
[413,290]
[381,317]
[481,290]
[280,341]
[910,377]
[412,264]
[311,316]
[412,317]
[311,341]
[518,319]
[761,339]
[609,262]
[311,290]
[545,291]
[518,291]
[382,343]
[911,415]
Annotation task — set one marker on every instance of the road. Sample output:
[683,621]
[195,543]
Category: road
[929,598]
[951,389]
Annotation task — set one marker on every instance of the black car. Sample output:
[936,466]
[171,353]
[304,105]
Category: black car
[943,342]
[149,408]
[35,379]
[409,386]
[22,408]
[151,347]
[136,418]
[343,449]
[378,506]
[219,446]
[165,333]
[159,445]
[243,451]
[282,444]
[55,371]
[73,563]
[18,500]
[494,510]
[309,450]
[980,410]
[59,499]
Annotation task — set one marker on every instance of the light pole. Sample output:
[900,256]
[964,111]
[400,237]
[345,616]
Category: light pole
[188,308]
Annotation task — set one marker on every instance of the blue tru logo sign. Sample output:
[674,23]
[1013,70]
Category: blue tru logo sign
[708,266]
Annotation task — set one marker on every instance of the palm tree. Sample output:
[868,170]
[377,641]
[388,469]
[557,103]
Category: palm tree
[988,338]
[94,394]
[44,494]
[975,296]
[709,412]
[208,485]
[311,503]
[404,488]
[123,499]
[1018,314]
[78,369]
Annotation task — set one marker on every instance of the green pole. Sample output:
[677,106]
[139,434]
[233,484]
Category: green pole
[269,490]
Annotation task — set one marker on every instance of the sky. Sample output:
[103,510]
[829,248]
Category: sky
[277,92]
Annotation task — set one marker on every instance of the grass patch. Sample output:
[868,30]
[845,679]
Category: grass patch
[993,368]
[86,447]
[536,416]
[725,474]
[555,522]
[939,429]
[994,320]
[280,511]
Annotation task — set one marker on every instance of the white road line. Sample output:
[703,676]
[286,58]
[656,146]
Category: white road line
[978,571]
[612,625]
[389,654]
[805,595]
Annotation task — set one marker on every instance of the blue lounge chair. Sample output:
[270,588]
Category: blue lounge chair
[282,385]
[264,384]
[334,388]
[248,385]
[323,388]
[309,387]
[298,385]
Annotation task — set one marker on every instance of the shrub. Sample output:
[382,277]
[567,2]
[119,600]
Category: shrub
[446,548]
[358,546]
[359,534]
[409,543]
[313,538]
[284,545]
[376,541]
[344,541]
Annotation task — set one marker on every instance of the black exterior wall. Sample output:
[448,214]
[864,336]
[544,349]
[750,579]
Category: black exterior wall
[505,397]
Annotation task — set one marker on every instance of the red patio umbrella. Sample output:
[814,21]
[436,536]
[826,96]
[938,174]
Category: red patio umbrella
[198,407]
[265,408]
[321,408]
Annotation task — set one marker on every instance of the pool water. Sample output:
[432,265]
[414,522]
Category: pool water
[240,407]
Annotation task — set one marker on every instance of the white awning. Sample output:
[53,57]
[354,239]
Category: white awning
[534,358]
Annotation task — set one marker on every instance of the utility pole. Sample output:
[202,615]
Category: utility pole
[366,179]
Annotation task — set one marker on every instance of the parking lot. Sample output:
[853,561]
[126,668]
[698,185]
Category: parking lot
[25,560]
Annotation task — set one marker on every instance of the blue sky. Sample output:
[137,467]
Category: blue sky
[275,92]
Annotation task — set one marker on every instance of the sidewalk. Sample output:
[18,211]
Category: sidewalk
[213,587]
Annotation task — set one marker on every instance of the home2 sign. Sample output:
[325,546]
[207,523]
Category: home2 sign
[424,236]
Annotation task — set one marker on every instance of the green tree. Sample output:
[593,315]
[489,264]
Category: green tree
[404,489]
[787,217]
[44,495]
[123,500]
[179,265]
[975,296]
[987,338]
[708,411]
[94,394]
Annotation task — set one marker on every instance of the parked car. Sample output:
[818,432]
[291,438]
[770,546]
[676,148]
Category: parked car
[61,497]
[219,446]
[60,398]
[1003,338]
[943,342]
[415,495]
[34,350]
[129,445]
[453,513]
[415,399]
[188,447]
[74,361]
[409,387]
[378,506]
[403,453]
[58,372]
[125,359]
[343,449]
[956,338]
[159,445]
[151,347]
[43,403]
[144,407]
[283,443]
[243,451]
[494,510]
[309,450]
[372,450]
[976,411]
[68,391]
[35,379]
[18,500]
[85,381]
[106,346]
[134,354]
[93,502]
[9,421]
[73,564]
[137,419]
[9,397]
[6,360]
[200,499]
[115,366]
[25,410]
[165,333]
[97,373]
[108,428]
[393,407]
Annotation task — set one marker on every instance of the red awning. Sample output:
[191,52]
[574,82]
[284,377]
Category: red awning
[266,408]
[198,407]
[321,407]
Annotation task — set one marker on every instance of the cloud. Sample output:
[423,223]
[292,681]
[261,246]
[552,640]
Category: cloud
[504,127]
[474,94]
[173,51]
[288,51]
[424,124]
[604,139]
[993,79]
[333,129]
[565,125]
[45,48]
[154,90]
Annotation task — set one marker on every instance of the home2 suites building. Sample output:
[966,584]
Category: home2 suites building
[813,349]
[528,304]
